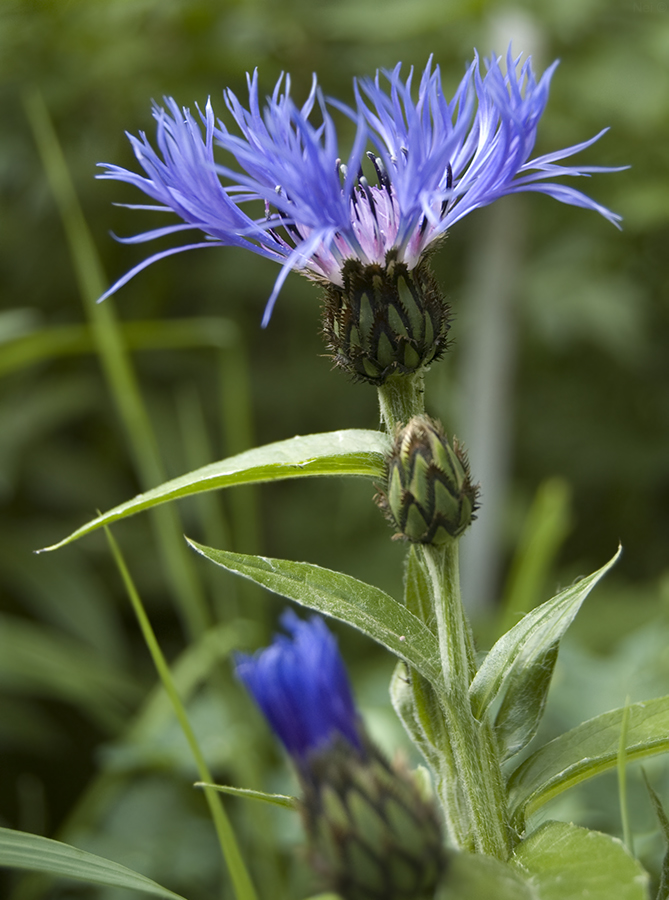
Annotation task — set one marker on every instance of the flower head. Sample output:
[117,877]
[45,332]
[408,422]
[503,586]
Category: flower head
[372,834]
[433,162]
[300,684]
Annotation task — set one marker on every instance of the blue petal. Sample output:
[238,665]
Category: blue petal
[442,159]
[301,686]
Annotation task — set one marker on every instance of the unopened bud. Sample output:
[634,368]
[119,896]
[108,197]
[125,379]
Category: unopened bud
[372,833]
[430,497]
[385,320]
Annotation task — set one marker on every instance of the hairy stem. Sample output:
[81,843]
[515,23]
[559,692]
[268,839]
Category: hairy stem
[472,758]
[400,398]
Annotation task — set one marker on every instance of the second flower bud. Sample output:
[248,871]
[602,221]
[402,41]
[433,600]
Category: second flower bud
[429,496]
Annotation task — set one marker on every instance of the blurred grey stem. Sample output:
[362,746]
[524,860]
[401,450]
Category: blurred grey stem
[488,339]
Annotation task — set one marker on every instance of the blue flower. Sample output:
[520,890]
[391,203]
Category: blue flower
[371,832]
[434,161]
[300,684]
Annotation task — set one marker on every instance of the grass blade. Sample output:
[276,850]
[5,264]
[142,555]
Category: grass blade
[239,875]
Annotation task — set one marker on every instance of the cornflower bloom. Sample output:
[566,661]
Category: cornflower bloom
[302,688]
[372,835]
[433,162]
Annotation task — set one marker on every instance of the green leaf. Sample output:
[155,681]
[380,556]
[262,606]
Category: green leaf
[284,800]
[413,709]
[520,665]
[476,877]
[587,750]
[524,701]
[351,452]
[365,607]
[19,850]
[566,862]
[556,862]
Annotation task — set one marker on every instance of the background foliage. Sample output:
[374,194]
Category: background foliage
[584,368]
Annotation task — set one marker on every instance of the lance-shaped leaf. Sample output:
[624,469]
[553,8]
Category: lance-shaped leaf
[365,607]
[351,452]
[519,667]
[587,750]
[283,800]
[19,850]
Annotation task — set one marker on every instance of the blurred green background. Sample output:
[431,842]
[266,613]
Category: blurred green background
[559,370]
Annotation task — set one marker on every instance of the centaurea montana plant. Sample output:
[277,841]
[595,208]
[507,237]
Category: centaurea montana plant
[367,238]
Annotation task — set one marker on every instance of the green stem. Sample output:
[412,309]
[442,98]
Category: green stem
[622,778]
[455,635]
[471,760]
[241,880]
[400,398]
[466,760]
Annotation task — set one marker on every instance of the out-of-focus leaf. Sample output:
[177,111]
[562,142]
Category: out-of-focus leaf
[61,595]
[155,739]
[587,750]
[476,877]
[38,854]
[325,897]
[239,875]
[15,324]
[556,862]
[191,669]
[41,661]
[25,726]
[28,416]
[352,452]
[18,349]
[519,666]
[365,607]
[544,530]
[565,862]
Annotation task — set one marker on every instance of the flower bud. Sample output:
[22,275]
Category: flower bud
[430,497]
[386,320]
[372,835]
